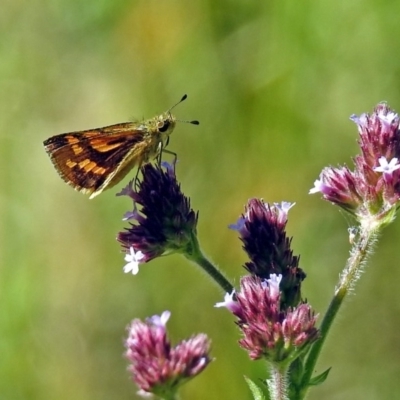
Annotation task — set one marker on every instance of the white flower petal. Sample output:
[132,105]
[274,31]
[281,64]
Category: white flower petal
[133,259]
[316,188]
[228,300]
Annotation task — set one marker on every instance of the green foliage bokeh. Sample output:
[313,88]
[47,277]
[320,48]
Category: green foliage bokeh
[273,84]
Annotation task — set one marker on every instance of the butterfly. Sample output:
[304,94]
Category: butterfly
[94,160]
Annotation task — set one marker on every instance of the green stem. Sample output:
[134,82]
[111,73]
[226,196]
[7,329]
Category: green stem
[358,256]
[200,259]
[170,396]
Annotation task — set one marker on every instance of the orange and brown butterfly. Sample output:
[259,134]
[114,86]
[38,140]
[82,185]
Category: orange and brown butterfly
[96,159]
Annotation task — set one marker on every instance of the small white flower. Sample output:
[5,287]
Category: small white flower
[274,279]
[388,118]
[317,187]
[273,283]
[133,259]
[228,299]
[284,206]
[160,320]
[387,167]
[361,121]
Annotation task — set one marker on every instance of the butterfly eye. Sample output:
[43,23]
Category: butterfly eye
[164,127]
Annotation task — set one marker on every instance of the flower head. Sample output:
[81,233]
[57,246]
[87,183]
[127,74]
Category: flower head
[372,191]
[155,365]
[262,231]
[338,185]
[269,331]
[165,223]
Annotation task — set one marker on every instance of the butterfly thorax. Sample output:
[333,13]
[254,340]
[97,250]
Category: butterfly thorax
[155,136]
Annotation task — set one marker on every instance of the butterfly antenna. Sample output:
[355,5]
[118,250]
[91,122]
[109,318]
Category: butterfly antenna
[195,122]
[179,102]
[184,97]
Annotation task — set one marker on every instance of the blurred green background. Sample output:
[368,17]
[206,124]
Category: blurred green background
[273,85]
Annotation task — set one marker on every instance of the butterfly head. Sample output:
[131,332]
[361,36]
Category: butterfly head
[165,123]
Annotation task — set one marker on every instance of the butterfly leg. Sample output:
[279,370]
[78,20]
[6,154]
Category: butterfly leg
[172,153]
[136,183]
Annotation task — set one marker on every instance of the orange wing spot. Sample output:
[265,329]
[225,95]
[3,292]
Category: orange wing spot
[99,170]
[72,139]
[70,163]
[77,149]
[90,166]
[102,146]
[83,163]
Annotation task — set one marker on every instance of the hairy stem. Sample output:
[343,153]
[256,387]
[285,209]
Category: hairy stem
[349,276]
[277,383]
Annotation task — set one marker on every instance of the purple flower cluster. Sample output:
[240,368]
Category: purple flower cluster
[157,367]
[262,231]
[373,188]
[165,222]
[275,323]
[268,331]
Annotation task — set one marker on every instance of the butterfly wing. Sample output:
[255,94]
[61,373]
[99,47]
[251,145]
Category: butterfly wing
[92,160]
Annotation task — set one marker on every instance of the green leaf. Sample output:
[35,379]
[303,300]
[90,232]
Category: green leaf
[317,380]
[255,390]
[296,371]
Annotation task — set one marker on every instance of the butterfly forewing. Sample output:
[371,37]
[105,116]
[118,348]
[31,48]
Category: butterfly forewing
[88,159]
